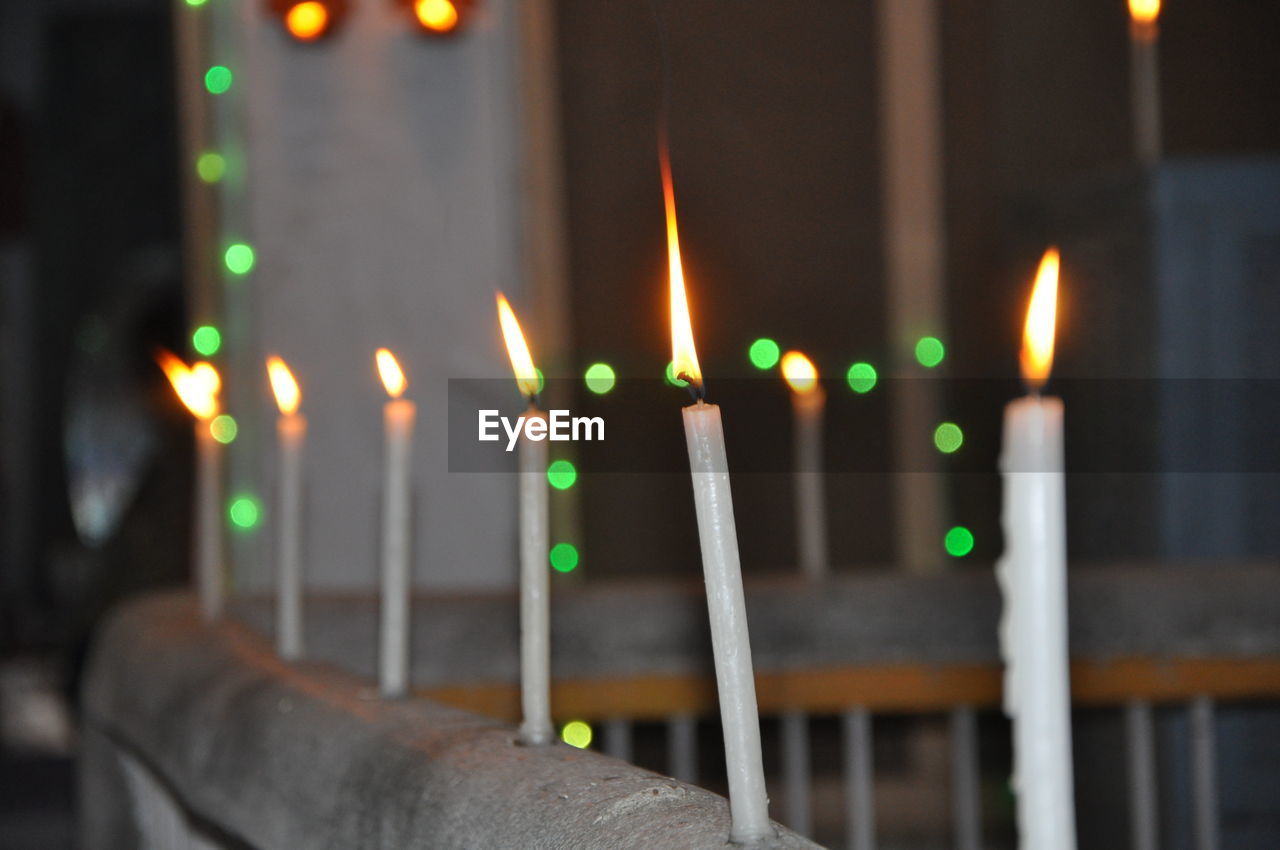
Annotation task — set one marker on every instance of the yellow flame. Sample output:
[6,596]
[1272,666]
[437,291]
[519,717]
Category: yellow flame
[283,385]
[391,373]
[799,372]
[1042,314]
[517,349]
[307,21]
[1144,11]
[436,15]
[684,357]
[196,386]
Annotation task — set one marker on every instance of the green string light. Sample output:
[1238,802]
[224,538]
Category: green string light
[244,512]
[211,167]
[670,376]
[240,258]
[764,353]
[218,79]
[561,474]
[958,542]
[948,437]
[930,351]
[600,378]
[576,733]
[206,340]
[564,557]
[862,377]
[224,428]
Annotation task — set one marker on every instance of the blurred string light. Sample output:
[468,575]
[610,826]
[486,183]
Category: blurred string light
[308,20]
[948,437]
[561,474]
[670,376]
[930,351]
[211,167]
[223,428]
[764,353]
[206,340]
[196,2]
[862,377]
[576,733]
[239,258]
[244,512]
[218,79]
[564,557]
[438,17]
[600,378]
[958,542]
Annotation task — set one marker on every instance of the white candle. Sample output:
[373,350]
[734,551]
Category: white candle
[291,432]
[1144,79]
[808,404]
[718,536]
[1033,580]
[398,419]
[535,597]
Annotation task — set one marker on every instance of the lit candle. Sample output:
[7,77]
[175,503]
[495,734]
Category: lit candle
[535,610]
[1144,79]
[1033,580]
[197,386]
[397,418]
[808,403]
[291,431]
[730,644]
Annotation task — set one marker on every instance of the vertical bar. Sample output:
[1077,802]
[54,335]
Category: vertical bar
[617,738]
[795,772]
[1204,774]
[1140,740]
[682,748]
[966,806]
[860,814]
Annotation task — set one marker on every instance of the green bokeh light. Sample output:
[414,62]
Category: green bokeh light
[244,512]
[576,733]
[670,376]
[564,557]
[240,259]
[948,437]
[958,542]
[224,428]
[930,351]
[764,353]
[862,377]
[196,2]
[600,378]
[206,340]
[561,474]
[211,166]
[217,79]
[542,379]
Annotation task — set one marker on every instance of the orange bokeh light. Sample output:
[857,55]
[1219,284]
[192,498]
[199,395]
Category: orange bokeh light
[307,21]
[437,16]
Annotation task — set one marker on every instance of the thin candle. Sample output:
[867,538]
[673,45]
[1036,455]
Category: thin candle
[808,404]
[398,416]
[713,501]
[1033,580]
[535,602]
[291,432]
[1144,79]
[198,386]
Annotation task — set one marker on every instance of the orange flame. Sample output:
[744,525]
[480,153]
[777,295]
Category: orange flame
[438,16]
[1042,314]
[684,357]
[517,349]
[799,372]
[283,385]
[392,375]
[197,386]
[307,21]
[1144,11]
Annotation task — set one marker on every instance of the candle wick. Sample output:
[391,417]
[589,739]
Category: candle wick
[696,389]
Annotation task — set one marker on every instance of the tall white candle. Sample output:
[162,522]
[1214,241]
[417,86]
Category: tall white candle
[535,597]
[398,417]
[1032,577]
[291,432]
[1144,79]
[808,405]
[722,570]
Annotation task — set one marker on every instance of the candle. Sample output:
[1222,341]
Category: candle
[397,418]
[291,431]
[808,403]
[197,386]
[1032,577]
[1144,79]
[535,610]
[730,644]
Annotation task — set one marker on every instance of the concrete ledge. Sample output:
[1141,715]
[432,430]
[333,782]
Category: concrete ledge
[281,756]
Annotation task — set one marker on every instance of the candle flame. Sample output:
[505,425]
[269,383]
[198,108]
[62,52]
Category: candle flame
[799,372]
[517,349]
[439,16]
[1144,11]
[391,373]
[684,357]
[283,385]
[1042,313]
[197,386]
[308,20]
